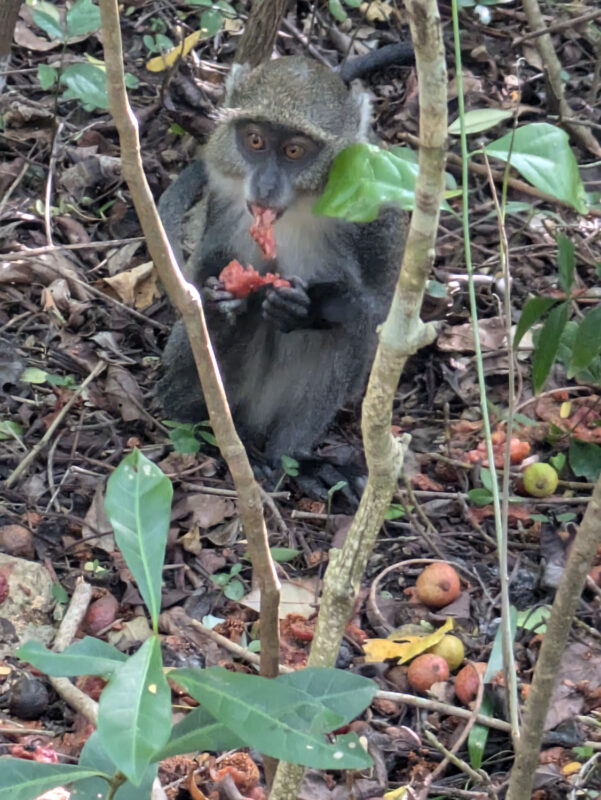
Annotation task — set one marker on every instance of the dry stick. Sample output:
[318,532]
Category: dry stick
[258,39]
[554,643]
[559,26]
[401,334]
[186,299]
[55,423]
[552,68]
[80,600]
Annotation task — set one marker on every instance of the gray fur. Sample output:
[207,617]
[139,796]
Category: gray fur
[284,388]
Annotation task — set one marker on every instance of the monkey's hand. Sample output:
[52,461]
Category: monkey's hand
[288,308]
[223,302]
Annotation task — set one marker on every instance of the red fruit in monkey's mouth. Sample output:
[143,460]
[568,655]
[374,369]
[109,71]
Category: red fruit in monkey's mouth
[241,281]
[262,229]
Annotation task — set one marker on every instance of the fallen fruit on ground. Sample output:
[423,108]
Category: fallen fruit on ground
[426,670]
[438,585]
[451,649]
[467,681]
[540,480]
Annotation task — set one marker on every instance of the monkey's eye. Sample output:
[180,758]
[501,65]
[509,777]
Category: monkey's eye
[255,141]
[294,151]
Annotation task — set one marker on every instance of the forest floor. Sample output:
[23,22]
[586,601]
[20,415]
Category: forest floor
[78,296]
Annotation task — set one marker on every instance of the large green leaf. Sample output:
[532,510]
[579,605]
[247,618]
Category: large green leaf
[48,17]
[585,459]
[87,83]
[542,154]
[83,17]
[96,788]
[134,714]
[138,505]
[199,731]
[479,119]
[88,656]
[479,733]
[342,692]
[21,779]
[548,345]
[363,177]
[273,717]
[587,342]
[533,310]
[566,262]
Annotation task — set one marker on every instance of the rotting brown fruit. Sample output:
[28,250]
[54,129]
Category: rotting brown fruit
[426,670]
[438,585]
[467,681]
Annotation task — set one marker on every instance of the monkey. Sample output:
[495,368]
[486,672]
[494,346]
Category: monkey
[292,356]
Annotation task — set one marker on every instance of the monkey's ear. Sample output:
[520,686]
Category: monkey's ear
[237,76]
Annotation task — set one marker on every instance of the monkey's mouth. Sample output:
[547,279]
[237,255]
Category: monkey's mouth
[261,229]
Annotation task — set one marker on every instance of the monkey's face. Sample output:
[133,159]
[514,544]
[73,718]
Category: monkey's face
[276,157]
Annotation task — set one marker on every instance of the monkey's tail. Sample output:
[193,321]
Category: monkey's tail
[399,53]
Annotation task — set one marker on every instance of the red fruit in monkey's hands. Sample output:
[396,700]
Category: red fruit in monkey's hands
[262,229]
[241,281]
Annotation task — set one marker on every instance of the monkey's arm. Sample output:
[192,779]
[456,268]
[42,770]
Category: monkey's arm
[177,200]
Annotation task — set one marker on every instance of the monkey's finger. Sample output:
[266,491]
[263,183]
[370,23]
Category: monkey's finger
[288,298]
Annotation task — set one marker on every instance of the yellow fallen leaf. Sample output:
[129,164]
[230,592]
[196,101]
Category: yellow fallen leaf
[376,11]
[396,794]
[565,408]
[403,647]
[168,58]
[571,768]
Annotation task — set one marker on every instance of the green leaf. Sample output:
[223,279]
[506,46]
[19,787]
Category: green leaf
[211,21]
[273,717]
[592,373]
[60,594]
[234,591]
[33,375]
[480,497]
[47,17]
[436,289]
[585,460]
[9,429]
[548,344]
[47,76]
[479,734]
[21,779]
[87,656]
[534,619]
[184,439]
[290,466]
[342,692]
[83,17]
[569,516]
[486,478]
[541,153]
[363,177]
[336,10]
[479,119]
[336,488]
[587,343]
[566,262]
[134,713]
[199,731]
[533,310]
[93,754]
[558,461]
[394,511]
[284,554]
[87,83]
[138,505]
